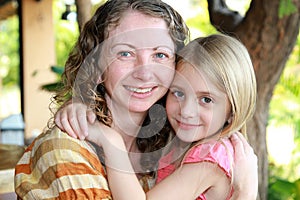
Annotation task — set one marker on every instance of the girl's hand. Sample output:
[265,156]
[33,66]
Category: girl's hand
[73,117]
[103,135]
[245,178]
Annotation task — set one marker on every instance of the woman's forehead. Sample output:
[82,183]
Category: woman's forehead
[143,38]
[141,30]
[132,20]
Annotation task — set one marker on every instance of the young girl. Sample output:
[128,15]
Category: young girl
[212,97]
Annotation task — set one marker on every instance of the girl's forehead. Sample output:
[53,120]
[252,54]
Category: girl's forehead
[188,73]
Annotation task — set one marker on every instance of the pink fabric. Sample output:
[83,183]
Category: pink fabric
[215,152]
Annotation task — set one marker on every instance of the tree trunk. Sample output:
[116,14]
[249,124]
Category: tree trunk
[270,41]
[84,8]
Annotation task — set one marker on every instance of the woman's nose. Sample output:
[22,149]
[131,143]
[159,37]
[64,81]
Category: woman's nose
[143,58]
[143,66]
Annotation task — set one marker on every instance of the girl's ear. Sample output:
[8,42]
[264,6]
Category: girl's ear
[230,119]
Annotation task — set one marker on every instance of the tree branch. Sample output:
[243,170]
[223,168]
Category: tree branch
[221,17]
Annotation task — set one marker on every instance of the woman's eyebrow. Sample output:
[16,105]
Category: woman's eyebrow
[123,44]
[164,47]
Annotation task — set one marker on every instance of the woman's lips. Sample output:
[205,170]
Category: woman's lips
[141,92]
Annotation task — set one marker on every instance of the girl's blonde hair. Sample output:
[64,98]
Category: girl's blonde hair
[226,62]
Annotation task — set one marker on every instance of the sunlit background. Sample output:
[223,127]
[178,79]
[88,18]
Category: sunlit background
[282,128]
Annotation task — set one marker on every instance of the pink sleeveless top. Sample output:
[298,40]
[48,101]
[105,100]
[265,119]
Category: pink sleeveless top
[220,152]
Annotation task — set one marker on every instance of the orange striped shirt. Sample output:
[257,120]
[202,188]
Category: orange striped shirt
[57,166]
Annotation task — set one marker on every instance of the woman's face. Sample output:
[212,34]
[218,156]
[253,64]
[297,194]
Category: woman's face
[140,56]
[196,108]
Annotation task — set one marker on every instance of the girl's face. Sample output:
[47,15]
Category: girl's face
[196,108]
[140,56]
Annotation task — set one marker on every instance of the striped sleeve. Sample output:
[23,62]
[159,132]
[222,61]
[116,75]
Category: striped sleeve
[57,166]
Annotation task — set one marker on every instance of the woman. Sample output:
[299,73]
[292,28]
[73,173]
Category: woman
[136,40]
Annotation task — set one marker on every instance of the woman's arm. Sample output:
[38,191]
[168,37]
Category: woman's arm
[245,184]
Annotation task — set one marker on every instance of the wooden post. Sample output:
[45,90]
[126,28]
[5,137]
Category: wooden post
[38,54]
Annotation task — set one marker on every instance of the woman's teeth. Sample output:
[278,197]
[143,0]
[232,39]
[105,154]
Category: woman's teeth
[139,90]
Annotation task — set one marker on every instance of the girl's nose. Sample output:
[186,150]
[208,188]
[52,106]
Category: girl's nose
[189,108]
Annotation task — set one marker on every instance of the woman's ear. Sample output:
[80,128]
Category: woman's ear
[99,80]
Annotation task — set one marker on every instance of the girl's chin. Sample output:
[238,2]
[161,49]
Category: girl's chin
[185,139]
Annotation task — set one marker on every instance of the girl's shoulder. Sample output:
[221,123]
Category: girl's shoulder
[220,152]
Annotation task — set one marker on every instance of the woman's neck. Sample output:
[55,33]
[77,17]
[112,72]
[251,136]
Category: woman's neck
[128,124]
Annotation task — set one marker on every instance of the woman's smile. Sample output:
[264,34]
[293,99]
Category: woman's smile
[140,92]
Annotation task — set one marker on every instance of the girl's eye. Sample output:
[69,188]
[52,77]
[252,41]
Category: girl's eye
[206,100]
[178,94]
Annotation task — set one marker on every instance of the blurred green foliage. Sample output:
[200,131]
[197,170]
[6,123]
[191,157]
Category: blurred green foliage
[284,180]
[9,51]
[66,33]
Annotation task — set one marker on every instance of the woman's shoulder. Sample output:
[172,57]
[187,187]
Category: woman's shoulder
[54,147]
[55,139]
[53,159]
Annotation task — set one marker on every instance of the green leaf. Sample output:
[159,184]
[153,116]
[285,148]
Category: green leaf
[286,7]
[52,87]
[283,188]
[57,69]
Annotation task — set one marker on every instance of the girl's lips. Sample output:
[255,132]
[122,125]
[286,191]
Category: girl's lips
[186,126]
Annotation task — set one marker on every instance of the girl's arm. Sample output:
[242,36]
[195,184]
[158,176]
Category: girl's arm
[187,182]
[73,118]
[191,180]
[123,182]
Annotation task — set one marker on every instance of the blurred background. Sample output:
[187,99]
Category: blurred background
[32,61]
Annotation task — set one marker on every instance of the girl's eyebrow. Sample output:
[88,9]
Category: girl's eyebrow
[199,93]
[218,94]
[175,86]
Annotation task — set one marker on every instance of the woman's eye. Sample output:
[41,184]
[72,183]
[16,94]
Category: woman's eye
[124,54]
[206,100]
[161,55]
